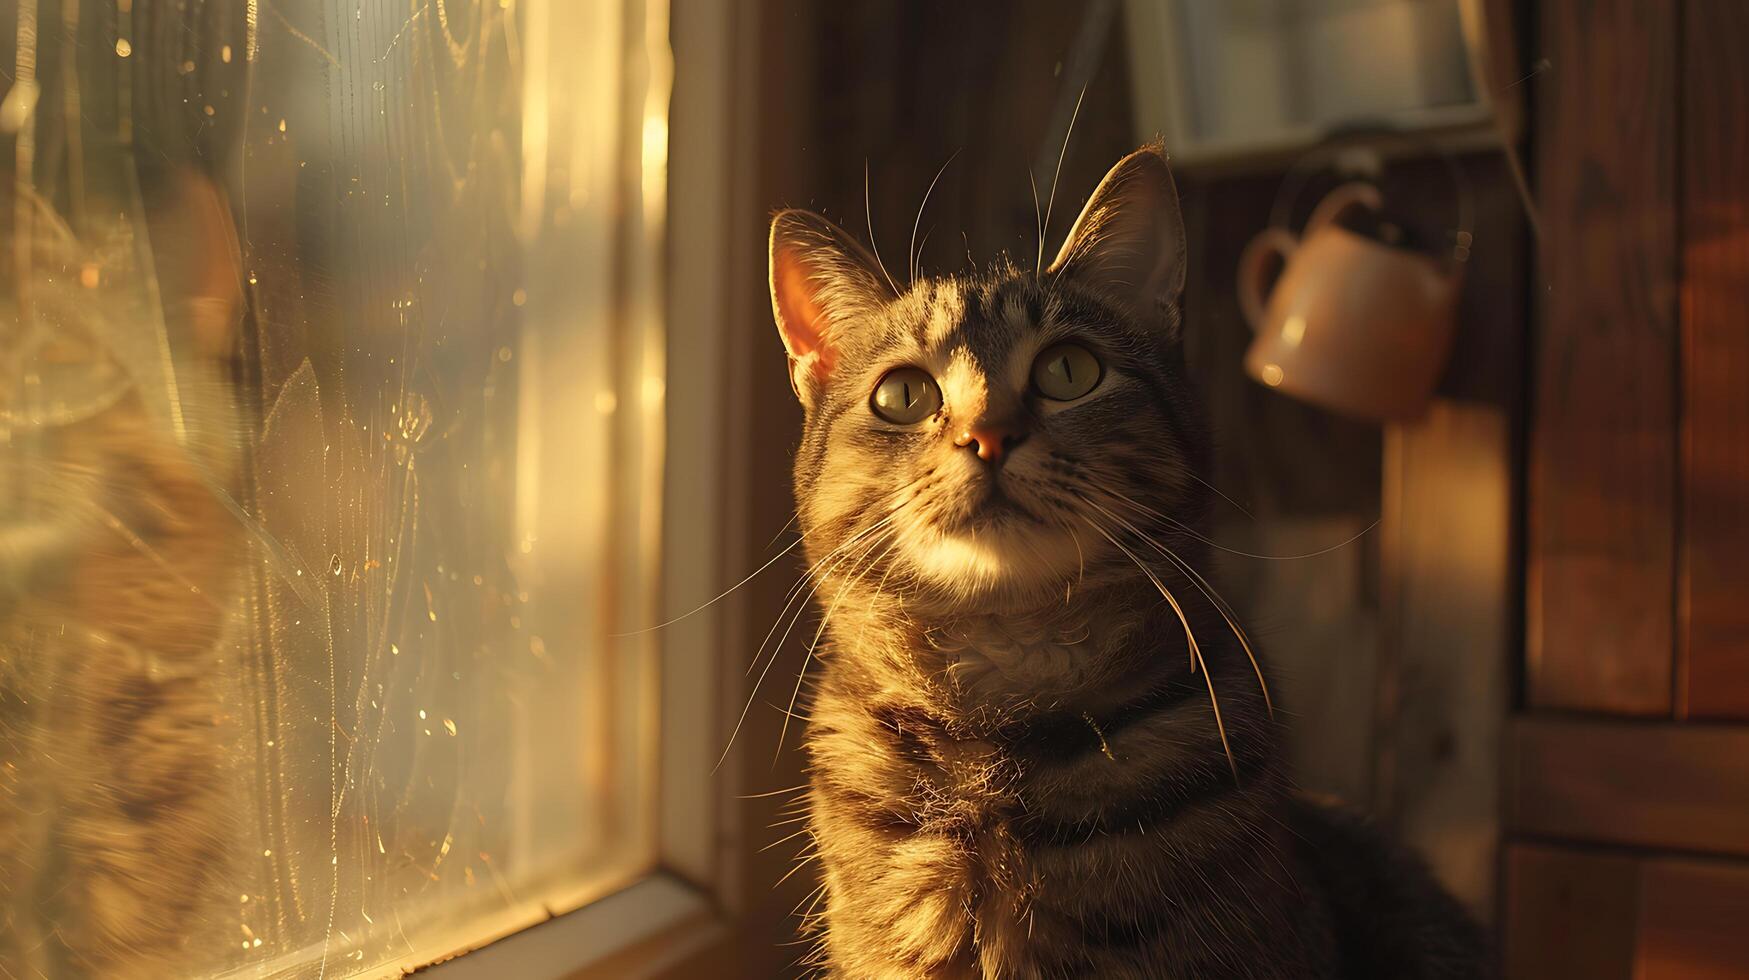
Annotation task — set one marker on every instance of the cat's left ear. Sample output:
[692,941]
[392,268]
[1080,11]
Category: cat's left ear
[1128,243]
[822,281]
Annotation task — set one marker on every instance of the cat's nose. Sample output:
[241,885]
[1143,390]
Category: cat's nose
[991,441]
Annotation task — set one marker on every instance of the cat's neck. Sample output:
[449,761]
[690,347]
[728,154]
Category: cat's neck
[1086,652]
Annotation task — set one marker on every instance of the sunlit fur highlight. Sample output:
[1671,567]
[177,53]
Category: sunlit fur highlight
[1038,744]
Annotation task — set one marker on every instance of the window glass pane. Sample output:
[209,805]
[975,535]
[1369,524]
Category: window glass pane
[1257,67]
[330,412]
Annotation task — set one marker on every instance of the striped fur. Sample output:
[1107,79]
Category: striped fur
[118,570]
[1018,769]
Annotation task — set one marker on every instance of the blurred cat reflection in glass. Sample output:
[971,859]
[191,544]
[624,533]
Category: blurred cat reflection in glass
[118,565]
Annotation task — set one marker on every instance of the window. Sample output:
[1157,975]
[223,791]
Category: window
[331,481]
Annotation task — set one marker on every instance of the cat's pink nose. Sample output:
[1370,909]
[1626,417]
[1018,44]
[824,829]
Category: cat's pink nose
[990,441]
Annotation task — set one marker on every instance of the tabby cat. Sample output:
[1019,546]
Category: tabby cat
[1040,746]
[118,571]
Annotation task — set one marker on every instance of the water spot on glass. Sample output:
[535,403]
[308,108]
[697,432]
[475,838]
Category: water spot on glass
[208,110]
[282,125]
[334,566]
[519,297]
[449,726]
[123,47]
[421,714]
[186,67]
[415,419]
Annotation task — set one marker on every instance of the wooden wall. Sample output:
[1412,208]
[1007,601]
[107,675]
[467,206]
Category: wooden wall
[1628,772]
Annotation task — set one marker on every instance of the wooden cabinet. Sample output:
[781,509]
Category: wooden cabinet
[1627,782]
[1580,913]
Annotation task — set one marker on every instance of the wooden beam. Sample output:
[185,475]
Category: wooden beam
[1675,787]
[1601,575]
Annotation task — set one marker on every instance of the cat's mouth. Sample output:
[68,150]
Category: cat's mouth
[992,506]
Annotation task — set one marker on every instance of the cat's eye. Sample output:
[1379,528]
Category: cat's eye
[1065,372]
[906,396]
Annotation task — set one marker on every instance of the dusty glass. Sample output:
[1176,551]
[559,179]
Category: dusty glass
[329,400]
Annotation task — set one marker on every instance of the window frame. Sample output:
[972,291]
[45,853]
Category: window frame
[689,906]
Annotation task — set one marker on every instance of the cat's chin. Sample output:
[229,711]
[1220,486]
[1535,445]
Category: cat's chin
[1015,559]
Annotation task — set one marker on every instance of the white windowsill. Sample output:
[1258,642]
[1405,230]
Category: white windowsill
[559,947]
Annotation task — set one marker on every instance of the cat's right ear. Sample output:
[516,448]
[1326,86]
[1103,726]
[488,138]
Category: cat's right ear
[821,280]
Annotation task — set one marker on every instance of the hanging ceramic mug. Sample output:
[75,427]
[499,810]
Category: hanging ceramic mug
[1352,323]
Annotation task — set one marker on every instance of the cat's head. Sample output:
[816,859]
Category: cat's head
[983,437]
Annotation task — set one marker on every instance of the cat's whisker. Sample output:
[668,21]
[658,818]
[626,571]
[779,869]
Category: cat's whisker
[843,554]
[1220,726]
[775,792]
[890,539]
[784,840]
[1190,640]
[868,214]
[1189,634]
[920,208]
[804,862]
[1191,532]
[769,661]
[731,589]
[1217,492]
[808,573]
[811,900]
[719,597]
[1208,592]
[1055,177]
[1038,218]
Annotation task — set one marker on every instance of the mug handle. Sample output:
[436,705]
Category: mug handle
[1340,200]
[1270,243]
